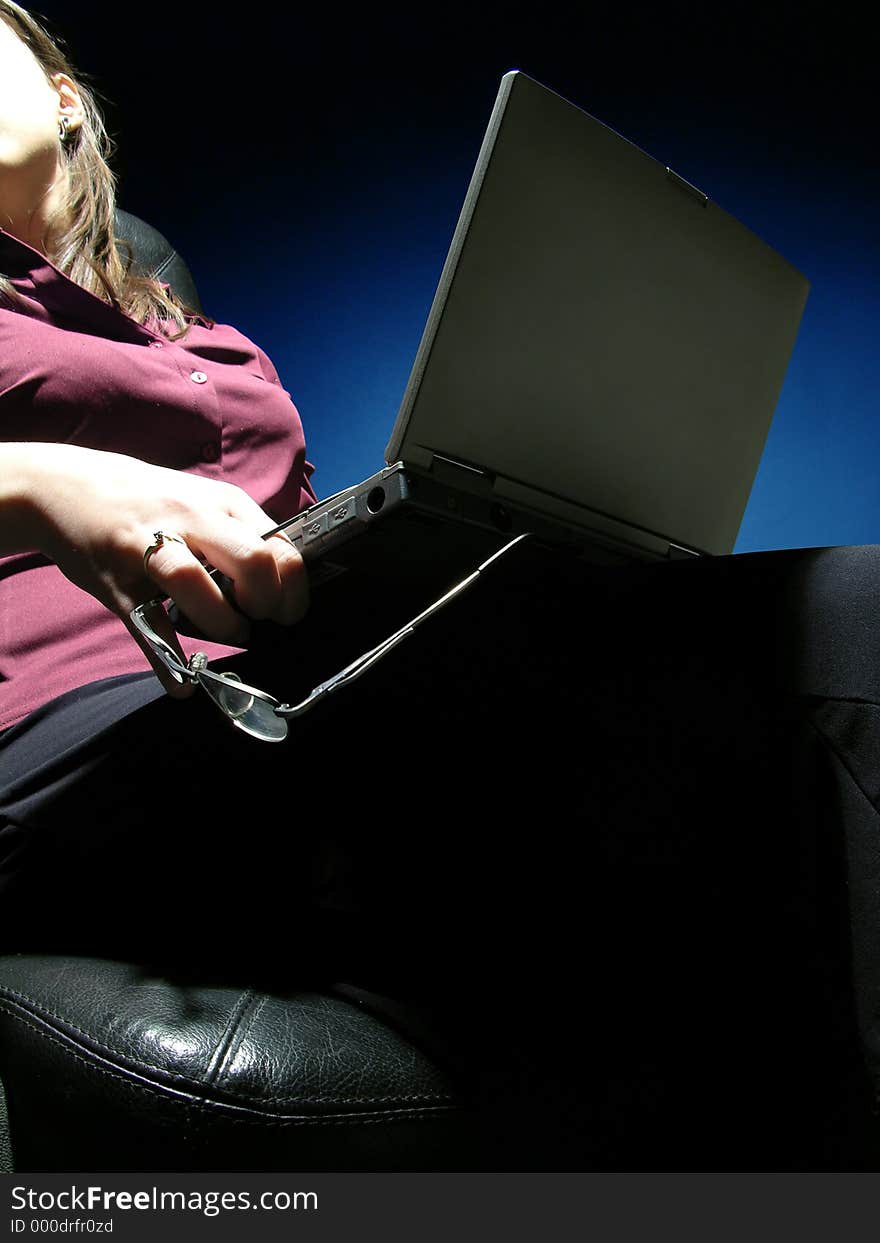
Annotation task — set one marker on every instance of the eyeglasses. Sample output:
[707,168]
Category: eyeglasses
[254,711]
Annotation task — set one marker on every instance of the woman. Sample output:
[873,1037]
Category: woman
[635,788]
[123,415]
[56,198]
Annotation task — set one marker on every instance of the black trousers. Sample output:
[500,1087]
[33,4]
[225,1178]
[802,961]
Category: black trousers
[614,827]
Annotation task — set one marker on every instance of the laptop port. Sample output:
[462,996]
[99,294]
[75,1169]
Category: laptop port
[375,500]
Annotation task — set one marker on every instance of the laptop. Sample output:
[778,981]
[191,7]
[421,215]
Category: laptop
[600,364]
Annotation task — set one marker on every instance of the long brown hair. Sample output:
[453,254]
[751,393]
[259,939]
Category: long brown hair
[83,244]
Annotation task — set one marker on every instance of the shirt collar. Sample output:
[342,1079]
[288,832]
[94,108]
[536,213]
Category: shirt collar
[65,301]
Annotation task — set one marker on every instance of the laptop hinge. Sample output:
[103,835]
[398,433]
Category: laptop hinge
[678,552]
[463,474]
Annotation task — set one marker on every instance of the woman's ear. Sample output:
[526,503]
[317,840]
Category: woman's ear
[70,103]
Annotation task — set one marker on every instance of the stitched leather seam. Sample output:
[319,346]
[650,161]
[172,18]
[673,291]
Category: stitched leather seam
[239,1040]
[438,1096]
[285,1098]
[439,1111]
[163,266]
[223,1044]
[246,1101]
[147,1089]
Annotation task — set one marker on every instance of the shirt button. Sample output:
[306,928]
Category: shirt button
[198,377]
[155,345]
[210,452]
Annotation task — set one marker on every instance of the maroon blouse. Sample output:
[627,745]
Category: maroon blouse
[74,370]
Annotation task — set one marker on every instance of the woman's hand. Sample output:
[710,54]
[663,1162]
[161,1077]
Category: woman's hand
[94,514]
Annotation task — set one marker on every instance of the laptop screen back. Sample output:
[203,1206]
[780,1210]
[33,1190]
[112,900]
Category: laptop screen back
[601,332]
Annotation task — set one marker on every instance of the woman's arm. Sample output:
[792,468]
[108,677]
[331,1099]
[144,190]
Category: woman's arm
[94,513]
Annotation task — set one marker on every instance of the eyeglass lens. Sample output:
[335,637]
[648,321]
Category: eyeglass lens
[249,712]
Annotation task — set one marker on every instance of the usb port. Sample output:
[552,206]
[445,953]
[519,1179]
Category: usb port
[342,512]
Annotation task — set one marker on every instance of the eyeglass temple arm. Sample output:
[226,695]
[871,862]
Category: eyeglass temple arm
[364,662]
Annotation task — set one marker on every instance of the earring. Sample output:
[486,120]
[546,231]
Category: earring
[64,129]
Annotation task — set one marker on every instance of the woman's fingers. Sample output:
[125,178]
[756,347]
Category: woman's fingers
[268,578]
[288,598]
[179,573]
[293,580]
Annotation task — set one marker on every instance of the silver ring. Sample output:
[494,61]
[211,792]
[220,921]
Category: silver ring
[160,538]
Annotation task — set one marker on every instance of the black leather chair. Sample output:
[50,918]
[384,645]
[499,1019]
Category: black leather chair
[111,1066]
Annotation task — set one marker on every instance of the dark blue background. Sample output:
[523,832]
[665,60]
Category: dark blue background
[310,165]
